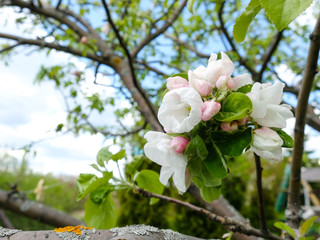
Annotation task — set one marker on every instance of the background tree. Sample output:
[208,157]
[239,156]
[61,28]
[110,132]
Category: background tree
[128,41]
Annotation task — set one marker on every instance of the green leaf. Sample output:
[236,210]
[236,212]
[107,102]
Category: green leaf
[99,194]
[232,144]
[190,5]
[198,169]
[282,12]
[59,127]
[96,167]
[149,180]
[285,228]
[307,238]
[183,75]
[215,162]
[236,107]
[287,140]
[307,225]
[208,194]
[196,149]
[245,89]
[164,93]
[119,155]
[101,215]
[104,155]
[242,23]
[87,183]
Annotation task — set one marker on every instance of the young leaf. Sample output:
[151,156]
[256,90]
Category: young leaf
[149,180]
[95,166]
[196,149]
[236,107]
[242,23]
[119,155]
[287,140]
[245,89]
[208,194]
[198,169]
[190,5]
[183,75]
[215,163]
[307,238]
[285,228]
[87,183]
[307,225]
[103,156]
[282,12]
[232,144]
[101,215]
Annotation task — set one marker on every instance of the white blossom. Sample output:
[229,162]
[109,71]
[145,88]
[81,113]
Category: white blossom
[180,110]
[173,164]
[267,144]
[266,108]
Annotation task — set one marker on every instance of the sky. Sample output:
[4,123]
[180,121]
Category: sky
[30,112]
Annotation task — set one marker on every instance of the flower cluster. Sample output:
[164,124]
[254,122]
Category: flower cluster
[208,116]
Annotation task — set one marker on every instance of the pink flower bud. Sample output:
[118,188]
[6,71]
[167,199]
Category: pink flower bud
[229,126]
[176,82]
[222,82]
[179,144]
[84,40]
[243,121]
[205,88]
[210,108]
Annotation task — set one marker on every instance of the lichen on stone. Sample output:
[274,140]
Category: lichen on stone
[139,230]
[5,232]
[75,232]
[172,235]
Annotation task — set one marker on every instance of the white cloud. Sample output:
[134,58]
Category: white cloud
[31,112]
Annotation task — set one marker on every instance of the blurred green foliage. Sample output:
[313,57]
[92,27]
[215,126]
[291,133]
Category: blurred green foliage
[58,192]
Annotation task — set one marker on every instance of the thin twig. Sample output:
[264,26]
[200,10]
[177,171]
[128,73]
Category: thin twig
[41,43]
[263,224]
[130,61]
[231,224]
[9,48]
[187,45]
[161,30]
[307,82]
[242,61]
[268,54]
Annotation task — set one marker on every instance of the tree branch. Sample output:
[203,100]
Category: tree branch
[133,232]
[187,45]
[159,31]
[9,48]
[268,54]
[231,224]
[41,43]
[130,62]
[307,82]
[242,61]
[36,211]
[263,224]
[50,12]
[5,220]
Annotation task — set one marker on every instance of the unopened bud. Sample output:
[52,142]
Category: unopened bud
[176,82]
[179,144]
[229,126]
[210,109]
